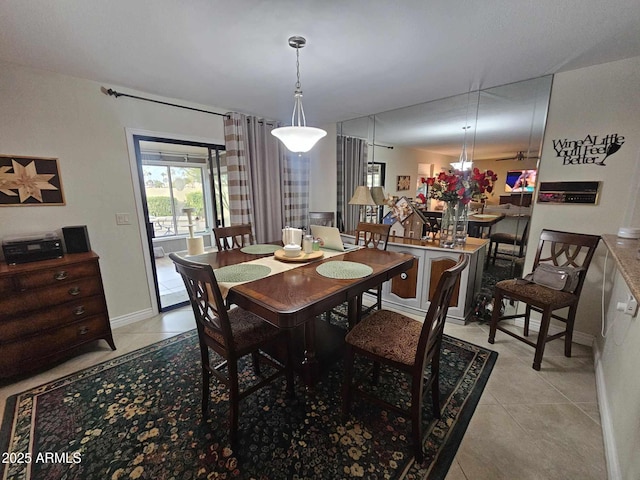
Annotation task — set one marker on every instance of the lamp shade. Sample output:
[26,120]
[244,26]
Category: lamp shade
[298,139]
[362,196]
[378,195]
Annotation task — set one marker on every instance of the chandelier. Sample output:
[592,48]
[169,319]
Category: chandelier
[298,138]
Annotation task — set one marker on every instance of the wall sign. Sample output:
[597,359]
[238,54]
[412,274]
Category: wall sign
[591,150]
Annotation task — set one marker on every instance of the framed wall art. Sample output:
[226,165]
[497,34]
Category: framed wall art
[404,182]
[28,181]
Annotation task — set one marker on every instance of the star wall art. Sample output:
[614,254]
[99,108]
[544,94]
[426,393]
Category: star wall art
[30,181]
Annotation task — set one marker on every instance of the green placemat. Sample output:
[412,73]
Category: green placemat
[344,270]
[260,249]
[241,273]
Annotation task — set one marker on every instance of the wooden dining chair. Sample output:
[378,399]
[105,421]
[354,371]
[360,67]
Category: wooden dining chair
[559,249]
[232,335]
[404,344]
[321,218]
[511,239]
[372,235]
[235,236]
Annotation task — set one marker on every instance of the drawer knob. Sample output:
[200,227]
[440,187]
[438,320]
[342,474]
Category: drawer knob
[79,310]
[83,330]
[73,291]
[61,275]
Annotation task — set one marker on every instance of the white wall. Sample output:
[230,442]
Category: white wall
[598,100]
[50,115]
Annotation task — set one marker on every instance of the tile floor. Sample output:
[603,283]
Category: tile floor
[528,425]
[170,284]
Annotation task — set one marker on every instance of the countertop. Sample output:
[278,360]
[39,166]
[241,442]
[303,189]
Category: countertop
[626,253]
[471,246]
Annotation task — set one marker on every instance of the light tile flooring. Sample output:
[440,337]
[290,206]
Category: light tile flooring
[528,425]
[170,284]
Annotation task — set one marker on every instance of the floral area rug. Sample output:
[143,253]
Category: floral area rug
[138,416]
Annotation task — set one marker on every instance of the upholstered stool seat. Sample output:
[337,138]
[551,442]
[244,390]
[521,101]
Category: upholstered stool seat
[535,294]
[247,330]
[388,334]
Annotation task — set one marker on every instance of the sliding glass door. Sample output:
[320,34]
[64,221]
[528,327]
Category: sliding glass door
[178,175]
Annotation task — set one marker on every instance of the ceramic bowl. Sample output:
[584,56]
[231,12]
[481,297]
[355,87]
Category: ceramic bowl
[292,250]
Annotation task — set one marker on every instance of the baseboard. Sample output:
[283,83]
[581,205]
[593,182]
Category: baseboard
[610,450]
[131,318]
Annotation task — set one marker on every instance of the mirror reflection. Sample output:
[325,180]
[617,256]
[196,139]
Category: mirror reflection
[497,130]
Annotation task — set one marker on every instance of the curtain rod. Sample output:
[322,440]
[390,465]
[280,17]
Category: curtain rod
[116,94]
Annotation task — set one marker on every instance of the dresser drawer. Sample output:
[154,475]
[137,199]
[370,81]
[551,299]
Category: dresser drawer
[53,276]
[40,350]
[46,297]
[31,323]
[6,286]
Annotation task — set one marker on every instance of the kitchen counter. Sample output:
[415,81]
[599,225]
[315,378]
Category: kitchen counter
[626,253]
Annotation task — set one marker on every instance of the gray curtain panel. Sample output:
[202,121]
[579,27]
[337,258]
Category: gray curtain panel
[237,169]
[352,162]
[269,186]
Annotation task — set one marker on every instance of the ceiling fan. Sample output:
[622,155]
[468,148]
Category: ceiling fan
[519,157]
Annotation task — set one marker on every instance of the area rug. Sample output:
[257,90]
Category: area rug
[138,416]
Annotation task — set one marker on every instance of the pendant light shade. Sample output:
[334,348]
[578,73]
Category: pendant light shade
[298,138]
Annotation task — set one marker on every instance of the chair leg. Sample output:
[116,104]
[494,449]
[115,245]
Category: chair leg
[495,252]
[379,297]
[347,386]
[527,317]
[542,338]
[568,336]
[206,392]
[327,316]
[495,316]
[375,373]
[417,384]
[234,399]
[435,386]
[256,362]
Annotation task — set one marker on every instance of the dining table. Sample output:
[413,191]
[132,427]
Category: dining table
[295,298]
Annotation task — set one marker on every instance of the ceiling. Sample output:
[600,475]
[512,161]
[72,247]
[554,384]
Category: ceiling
[362,56]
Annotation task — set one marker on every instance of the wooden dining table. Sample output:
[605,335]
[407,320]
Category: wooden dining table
[295,298]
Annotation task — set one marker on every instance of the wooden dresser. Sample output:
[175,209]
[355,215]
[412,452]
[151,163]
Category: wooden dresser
[49,308]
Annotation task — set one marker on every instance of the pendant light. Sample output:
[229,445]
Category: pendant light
[298,138]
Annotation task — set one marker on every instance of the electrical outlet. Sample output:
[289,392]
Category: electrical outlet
[632,306]
[123,219]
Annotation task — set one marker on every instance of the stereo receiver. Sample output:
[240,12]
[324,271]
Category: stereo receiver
[31,248]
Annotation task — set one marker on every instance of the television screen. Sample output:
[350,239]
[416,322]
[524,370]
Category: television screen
[520,181]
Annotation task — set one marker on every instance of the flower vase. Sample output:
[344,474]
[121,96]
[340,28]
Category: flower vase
[453,228]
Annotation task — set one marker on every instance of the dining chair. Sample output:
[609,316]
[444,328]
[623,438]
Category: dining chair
[235,236]
[404,344]
[509,239]
[556,248]
[372,235]
[321,218]
[231,334]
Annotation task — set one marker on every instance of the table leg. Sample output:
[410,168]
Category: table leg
[310,368]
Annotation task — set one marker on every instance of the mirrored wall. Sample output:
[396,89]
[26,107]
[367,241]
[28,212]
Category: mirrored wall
[500,129]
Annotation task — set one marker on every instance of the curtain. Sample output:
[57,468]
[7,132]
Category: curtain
[296,189]
[237,169]
[352,163]
[269,188]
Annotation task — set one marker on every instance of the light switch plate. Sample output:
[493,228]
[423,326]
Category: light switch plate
[123,219]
